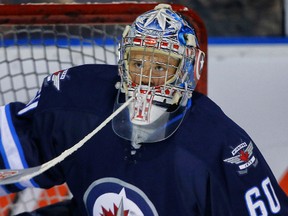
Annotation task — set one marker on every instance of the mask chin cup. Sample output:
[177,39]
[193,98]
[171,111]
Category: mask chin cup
[159,130]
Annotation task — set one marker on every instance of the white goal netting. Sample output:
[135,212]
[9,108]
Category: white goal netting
[30,53]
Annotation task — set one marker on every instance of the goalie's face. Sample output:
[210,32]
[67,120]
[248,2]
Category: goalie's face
[159,63]
[151,69]
[156,109]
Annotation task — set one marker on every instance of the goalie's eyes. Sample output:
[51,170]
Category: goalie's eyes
[138,64]
[155,67]
[159,68]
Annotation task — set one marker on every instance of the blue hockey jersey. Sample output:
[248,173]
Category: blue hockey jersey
[208,167]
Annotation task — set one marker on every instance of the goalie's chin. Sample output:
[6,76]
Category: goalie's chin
[160,125]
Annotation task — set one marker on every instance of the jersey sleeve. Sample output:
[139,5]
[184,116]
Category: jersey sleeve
[22,147]
[251,184]
[247,178]
[236,186]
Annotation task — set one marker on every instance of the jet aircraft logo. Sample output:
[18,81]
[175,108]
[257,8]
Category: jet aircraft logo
[243,156]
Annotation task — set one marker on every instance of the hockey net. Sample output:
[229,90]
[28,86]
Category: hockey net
[39,39]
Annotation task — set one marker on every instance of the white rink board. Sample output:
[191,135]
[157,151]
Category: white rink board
[250,84]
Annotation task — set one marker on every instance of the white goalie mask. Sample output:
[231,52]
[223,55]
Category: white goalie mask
[160,64]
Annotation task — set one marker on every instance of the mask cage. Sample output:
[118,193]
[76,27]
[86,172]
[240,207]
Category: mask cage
[183,78]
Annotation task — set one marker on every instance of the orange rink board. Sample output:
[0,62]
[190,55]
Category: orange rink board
[46,197]
[284,182]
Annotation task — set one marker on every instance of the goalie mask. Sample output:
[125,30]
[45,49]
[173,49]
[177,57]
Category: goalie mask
[160,64]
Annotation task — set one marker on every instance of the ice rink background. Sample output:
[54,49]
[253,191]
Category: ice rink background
[250,83]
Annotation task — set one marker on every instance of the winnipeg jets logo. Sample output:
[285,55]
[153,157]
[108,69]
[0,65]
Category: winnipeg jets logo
[57,77]
[243,157]
[118,211]
[162,18]
[113,197]
[120,203]
[159,20]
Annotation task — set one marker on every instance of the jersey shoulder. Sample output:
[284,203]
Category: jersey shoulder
[212,136]
[85,87]
[206,115]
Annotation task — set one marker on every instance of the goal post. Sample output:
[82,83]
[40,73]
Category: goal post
[39,39]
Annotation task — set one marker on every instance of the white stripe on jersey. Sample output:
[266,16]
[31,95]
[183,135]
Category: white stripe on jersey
[10,146]
[29,107]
